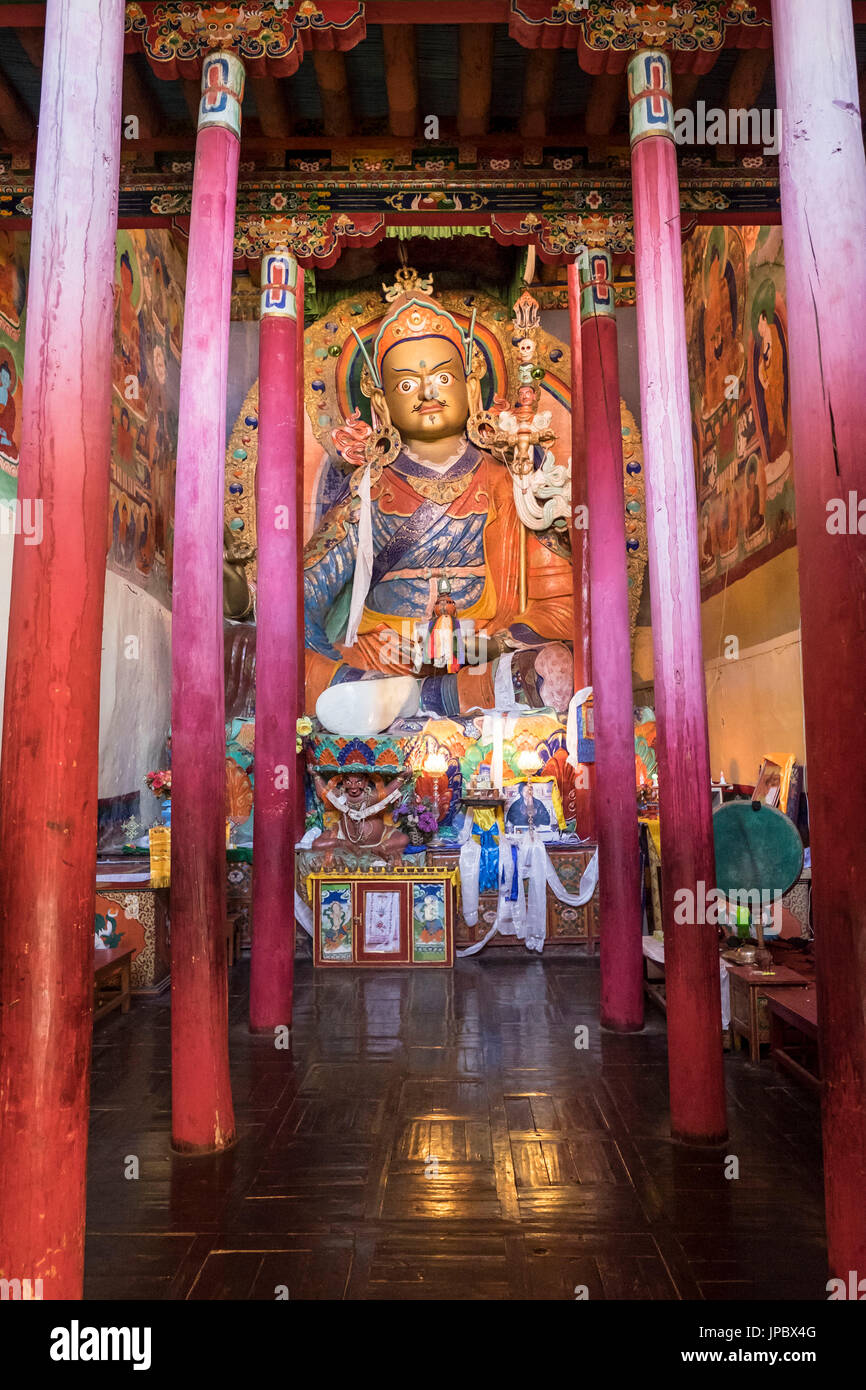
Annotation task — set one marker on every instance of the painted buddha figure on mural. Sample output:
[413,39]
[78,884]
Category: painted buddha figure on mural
[439,508]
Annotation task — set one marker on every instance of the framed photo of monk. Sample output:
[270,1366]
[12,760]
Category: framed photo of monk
[530,803]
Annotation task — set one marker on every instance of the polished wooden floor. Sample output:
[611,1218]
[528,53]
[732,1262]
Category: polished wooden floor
[439,1136]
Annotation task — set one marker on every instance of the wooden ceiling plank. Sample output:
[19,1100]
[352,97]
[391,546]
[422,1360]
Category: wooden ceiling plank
[192,96]
[607,99]
[33,42]
[274,117]
[139,101]
[537,90]
[475,79]
[333,83]
[401,78]
[16,122]
[744,88]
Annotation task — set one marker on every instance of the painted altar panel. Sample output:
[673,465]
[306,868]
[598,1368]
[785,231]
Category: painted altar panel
[740,387]
[373,919]
[14,261]
[150,279]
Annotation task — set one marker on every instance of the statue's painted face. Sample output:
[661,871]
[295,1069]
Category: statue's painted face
[425,388]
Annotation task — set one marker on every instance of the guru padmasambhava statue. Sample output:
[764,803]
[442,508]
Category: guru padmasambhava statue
[430,506]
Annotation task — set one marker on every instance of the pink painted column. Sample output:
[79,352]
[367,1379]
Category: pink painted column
[615,792]
[697,1092]
[823,181]
[279,649]
[48,788]
[584,797]
[300,803]
[202,1114]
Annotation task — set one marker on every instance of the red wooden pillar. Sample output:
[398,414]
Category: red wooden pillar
[300,805]
[615,792]
[202,1114]
[48,788]
[823,182]
[585,797]
[279,649]
[697,1091]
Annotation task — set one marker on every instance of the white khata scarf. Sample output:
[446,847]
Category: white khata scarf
[363,560]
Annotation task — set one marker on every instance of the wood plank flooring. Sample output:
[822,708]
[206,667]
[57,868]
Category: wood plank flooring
[440,1136]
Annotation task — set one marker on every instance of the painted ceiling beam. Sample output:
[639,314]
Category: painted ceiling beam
[475,79]
[333,82]
[31,15]
[401,78]
[537,90]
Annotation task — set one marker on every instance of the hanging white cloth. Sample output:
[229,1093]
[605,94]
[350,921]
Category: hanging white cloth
[496,726]
[303,914]
[574,704]
[526,918]
[470,870]
[363,560]
[503,685]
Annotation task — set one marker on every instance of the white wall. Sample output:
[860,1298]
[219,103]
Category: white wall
[755,708]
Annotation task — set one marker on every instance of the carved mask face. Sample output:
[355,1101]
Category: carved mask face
[425,389]
[354,785]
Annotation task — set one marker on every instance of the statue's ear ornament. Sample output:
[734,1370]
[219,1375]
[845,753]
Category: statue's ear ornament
[383,445]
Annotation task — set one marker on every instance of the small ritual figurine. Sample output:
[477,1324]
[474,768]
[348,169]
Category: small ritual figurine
[362,828]
[443,644]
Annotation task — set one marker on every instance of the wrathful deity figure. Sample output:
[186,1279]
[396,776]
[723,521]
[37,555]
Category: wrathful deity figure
[361,828]
[432,503]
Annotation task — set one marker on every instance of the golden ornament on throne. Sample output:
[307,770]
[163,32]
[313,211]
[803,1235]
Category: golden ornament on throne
[445,429]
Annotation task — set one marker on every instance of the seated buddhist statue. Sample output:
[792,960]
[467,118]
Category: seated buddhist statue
[430,511]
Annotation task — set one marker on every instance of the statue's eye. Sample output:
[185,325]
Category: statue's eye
[445,378]
[407,385]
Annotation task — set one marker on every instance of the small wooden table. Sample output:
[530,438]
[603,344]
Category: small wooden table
[749,986]
[109,966]
[797,1012]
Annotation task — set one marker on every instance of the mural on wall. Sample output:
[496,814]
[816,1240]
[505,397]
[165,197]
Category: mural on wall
[741,420]
[14,258]
[149,290]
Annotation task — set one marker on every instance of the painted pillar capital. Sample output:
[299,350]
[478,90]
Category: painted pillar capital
[650,95]
[279,285]
[222,92]
[597,296]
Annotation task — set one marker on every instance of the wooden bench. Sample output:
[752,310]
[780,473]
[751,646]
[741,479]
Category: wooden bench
[794,1033]
[111,980]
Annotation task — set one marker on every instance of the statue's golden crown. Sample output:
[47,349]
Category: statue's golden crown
[416,315]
